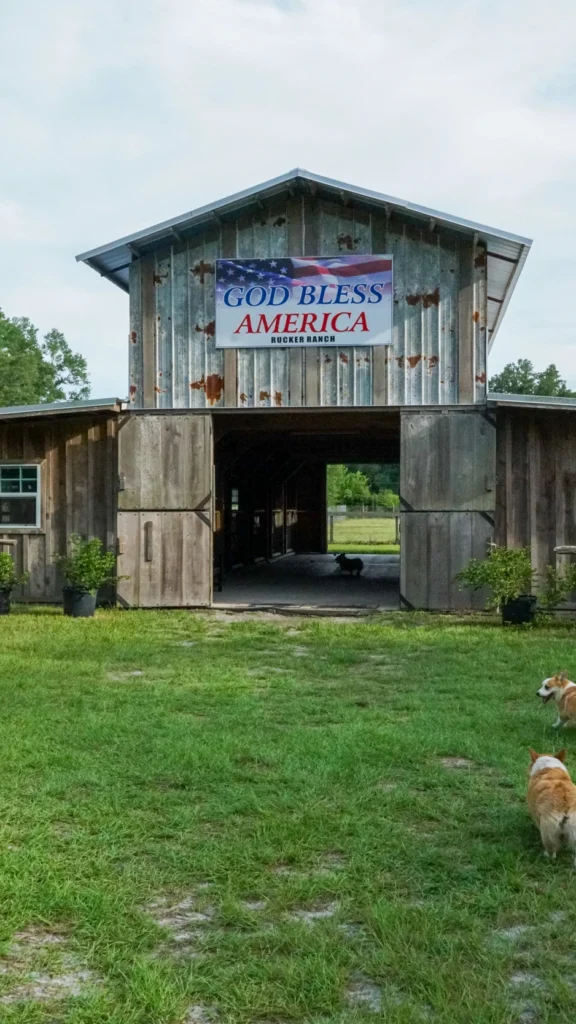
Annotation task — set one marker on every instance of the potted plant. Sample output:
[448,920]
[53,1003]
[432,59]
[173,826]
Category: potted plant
[86,568]
[508,574]
[9,579]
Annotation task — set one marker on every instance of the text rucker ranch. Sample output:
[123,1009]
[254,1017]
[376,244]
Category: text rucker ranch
[264,302]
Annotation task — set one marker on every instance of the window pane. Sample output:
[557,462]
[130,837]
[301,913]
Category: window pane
[10,486]
[29,473]
[18,511]
[29,487]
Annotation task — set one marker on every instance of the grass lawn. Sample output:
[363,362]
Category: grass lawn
[277,822]
[364,537]
[365,549]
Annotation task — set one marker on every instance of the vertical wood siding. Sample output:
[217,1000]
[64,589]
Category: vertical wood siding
[448,495]
[536,482]
[78,461]
[438,355]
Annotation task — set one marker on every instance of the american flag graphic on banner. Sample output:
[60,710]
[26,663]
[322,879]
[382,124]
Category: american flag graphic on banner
[304,300]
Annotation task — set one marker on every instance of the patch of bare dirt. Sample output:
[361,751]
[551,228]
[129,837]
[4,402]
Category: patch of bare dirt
[186,920]
[319,913]
[456,763]
[364,994]
[200,1014]
[332,861]
[124,677]
[253,906]
[40,967]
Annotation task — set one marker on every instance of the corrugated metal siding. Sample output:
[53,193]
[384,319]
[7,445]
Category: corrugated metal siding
[172,317]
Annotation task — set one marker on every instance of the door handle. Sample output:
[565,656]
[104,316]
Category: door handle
[148,547]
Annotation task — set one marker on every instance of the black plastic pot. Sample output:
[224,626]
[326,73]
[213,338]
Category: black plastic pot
[520,611]
[80,604]
[5,601]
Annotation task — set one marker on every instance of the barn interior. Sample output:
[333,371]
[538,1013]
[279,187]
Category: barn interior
[271,538]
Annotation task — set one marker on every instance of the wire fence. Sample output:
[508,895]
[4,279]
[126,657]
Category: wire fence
[363,525]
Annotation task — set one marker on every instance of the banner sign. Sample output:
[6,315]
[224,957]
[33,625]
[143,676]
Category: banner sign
[305,300]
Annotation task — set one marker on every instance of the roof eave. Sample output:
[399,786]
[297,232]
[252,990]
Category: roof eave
[13,412]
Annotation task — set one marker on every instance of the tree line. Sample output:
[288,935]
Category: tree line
[363,485]
[35,370]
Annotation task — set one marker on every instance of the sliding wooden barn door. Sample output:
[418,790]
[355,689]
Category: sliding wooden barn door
[165,510]
[447,492]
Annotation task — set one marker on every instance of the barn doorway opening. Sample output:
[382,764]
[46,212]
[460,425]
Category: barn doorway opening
[272,543]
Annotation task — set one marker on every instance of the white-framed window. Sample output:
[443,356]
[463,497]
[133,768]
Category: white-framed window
[19,496]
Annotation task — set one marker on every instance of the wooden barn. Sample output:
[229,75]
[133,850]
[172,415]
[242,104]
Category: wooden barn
[214,469]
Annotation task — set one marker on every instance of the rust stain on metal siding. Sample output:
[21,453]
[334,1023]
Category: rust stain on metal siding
[347,242]
[426,298]
[264,396]
[343,357]
[413,361]
[481,378]
[212,385]
[133,390]
[432,362]
[159,391]
[481,259]
[133,337]
[243,397]
[475,316]
[159,279]
[279,222]
[277,398]
[209,330]
[201,269]
[431,298]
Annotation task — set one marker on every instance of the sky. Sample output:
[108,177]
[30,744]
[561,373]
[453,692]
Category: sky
[115,115]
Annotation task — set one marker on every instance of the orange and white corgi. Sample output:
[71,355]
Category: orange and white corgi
[552,801]
[563,690]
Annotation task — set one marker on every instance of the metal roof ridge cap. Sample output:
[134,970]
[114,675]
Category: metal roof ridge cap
[310,176]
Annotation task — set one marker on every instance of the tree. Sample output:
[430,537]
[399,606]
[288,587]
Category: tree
[522,379]
[346,488]
[34,371]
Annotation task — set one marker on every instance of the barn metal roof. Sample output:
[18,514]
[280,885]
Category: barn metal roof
[14,412]
[506,252]
[532,401]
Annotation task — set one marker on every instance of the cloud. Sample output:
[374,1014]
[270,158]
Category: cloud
[116,116]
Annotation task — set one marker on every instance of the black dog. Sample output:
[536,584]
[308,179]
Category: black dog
[351,565]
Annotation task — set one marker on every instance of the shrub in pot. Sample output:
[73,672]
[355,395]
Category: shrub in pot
[508,574]
[9,579]
[86,568]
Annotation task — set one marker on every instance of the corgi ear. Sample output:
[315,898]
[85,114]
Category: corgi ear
[562,676]
[561,755]
[533,755]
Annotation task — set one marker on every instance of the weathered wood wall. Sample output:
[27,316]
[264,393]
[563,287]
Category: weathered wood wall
[165,505]
[78,461]
[438,355]
[536,481]
[448,495]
